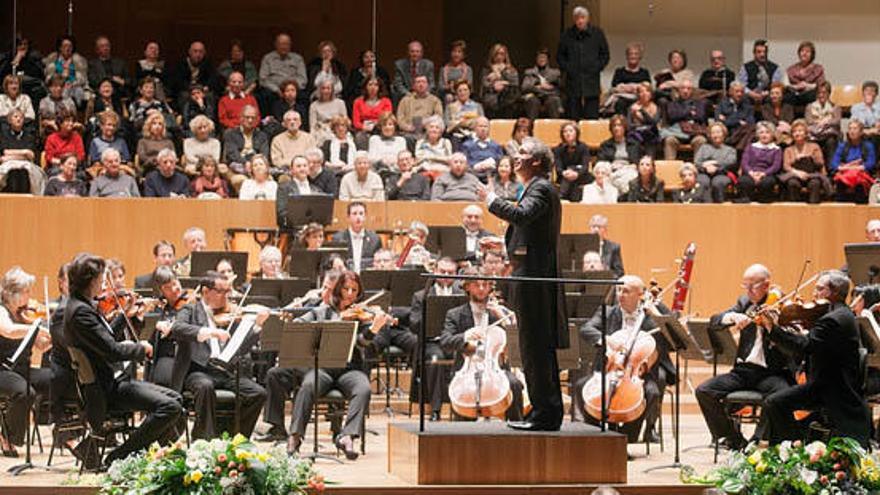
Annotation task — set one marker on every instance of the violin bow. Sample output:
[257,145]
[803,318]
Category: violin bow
[132,336]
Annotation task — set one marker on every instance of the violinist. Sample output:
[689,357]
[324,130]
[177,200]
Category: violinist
[116,272]
[163,255]
[311,236]
[63,385]
[759,366]
[193,241]
[173,298]
[465,325]
[383,260]
[834,382]
[224,267]
[280,382]
[622,320]
[193,329]
[87,330]
[353,380]
[418,254]
[15,295]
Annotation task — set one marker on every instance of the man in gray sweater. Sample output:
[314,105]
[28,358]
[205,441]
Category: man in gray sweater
[457,184]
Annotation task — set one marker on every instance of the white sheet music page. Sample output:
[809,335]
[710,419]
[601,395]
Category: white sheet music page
[238,338]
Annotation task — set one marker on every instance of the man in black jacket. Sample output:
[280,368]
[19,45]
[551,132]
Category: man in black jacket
[582,55]
[609,251]
[834,375]
[532,238]
[362,243]
[759,366]
[87,331]
[198,334]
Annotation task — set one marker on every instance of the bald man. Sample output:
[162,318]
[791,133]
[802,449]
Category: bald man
[758,365]
[472,221]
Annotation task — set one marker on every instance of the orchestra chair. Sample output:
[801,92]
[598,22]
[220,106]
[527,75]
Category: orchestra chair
[743,407]
[594,133]
[846,95]
[392,357]
[547,130]
[115,422]
[74,421]
[500,130]
[667,171]
[225,401]
[333,405]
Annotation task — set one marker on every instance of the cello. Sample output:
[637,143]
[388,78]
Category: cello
[480,388]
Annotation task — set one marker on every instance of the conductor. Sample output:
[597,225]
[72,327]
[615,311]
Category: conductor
[531,239]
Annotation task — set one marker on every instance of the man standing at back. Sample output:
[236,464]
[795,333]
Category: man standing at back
[532,239]
[582,55]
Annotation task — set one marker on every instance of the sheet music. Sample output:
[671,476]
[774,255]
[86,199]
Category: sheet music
[238,338]
[26,341]
[215,347]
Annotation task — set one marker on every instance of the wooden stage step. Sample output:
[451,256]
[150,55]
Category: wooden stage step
[490,453]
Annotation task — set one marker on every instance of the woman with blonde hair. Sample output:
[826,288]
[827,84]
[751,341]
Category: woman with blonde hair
[500,83]
[153,141]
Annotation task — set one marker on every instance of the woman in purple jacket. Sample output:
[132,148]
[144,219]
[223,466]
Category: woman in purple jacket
[761,161]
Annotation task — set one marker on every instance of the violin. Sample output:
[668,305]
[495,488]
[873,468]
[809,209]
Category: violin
[803,313]
[32,312]
[110,301]
[188,296]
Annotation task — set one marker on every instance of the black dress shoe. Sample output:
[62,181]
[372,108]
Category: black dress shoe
[435,416]
[532,426]
[651,437]
[86,451]
[734,443]
[273,435]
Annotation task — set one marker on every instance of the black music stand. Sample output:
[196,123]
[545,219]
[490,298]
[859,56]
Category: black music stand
[680,341]
[305,344]
[434,312]
[191,282]
[21,356]
[568,359]
[588,289]
[863,262]
[274,292]
[303,210]
[204,261]
[308,263]
[572,247]
[400,283]
[448,241]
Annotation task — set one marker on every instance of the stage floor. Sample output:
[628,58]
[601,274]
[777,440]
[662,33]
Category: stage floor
[370,471]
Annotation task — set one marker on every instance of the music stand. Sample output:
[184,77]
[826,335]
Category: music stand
[863,262]
[572,247]
[189,282]
[22,356]
[204,261]
[568,359]
[279,291]
[308,263]
[400,283]
[305,344]
[436,308]
[303,210]
[448,241]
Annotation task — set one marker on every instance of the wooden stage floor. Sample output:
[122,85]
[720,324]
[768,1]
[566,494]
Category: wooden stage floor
[368,475]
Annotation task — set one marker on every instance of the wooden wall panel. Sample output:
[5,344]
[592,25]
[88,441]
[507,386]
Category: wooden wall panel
[41,233]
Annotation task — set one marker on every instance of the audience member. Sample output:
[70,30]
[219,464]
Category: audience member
[260,185]
[18,147]
[282,65]
[779,113]
[67,183]
[853,164]
[522,128]
[504,182]
[361,184]
[868,111]
[369,107]
[233,102]
[757,74]
[541,94]
[113,183]
[238,63]
[386,145]
[644,118]
[64,140]
[242,143]
[716,163]
[457,184]
[72,67]
[454,71]
[691,191]
[368,68]
[582,56]
[198,104]
[54,104]
[572,158]
[805,76]
[152,66]
[166,181]
[716,80]
[208,184]
[417,106]
[194,68]
[17,142]
[626,80]
[325,67]
[462,112]
[433,152]
[803,167]
[619,148]
[320,177]
[646,188]
[292,143]
[323,110]
[289,101]
[407,185]
[13,99]
[147,104]
[407,70]
[109,138]
[27,63]
[670,79]
[499,84]
[686,121]
[760,163]
[481,151]
[340,149]
[601,191]
[106,66]
[202,143]
[823,120]
[154,141]
[737,114]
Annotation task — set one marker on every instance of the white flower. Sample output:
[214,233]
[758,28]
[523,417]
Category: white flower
[784,449]
[808,475]
[814,448]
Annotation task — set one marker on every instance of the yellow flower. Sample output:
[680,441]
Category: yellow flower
[187,479]
[197,476]
[262,457]
[755,457]
[238,439]
[761,467]
[243,454]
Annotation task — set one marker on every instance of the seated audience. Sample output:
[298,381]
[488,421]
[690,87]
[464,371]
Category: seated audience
[28,63]
[65,140]
[198,103]
[231,104]
[152,66]
[241,144]
[147,104]
[323,110]
[646,188]
[462,112]
[619,148]
[626,80]
[12,98]
[433,152]
[686,121]
[644,118]
[481,151]
[208,184]
[522,129]
[541,94]
[201,143]
[280,65]
[408,70]
[454,71]
[17,142]
[54,104]
[368,68]
[868,111]
[823,120]
[691,191]
[109,138]
[339,150]
[779,113]
[760,163]
[113,183]
[572,158]
[361,184]
[670,79]
[238,63]
[499,83]
[326,66]
[407,185]
[71,66]
[166,181]
[716,163]
[194,68]
[803,167]
[291,143]
[321,177]
[260,185]
[386,145]
[715,81]
[416,107]
[289,101]
[67,182]
[737,114]
[369,108]
[18,151]
[853,164]
[757,74]
[106,99]
[154,141]
[457,184]
[106,66]
[804,76]
[601,191]
[505,185]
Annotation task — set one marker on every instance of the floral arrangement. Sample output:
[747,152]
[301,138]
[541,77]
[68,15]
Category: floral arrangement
[794,468]
[218,466]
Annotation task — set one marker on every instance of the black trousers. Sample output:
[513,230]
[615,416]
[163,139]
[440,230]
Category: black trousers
[742,377]
[61,389]
[582,107]
[538,354]
[779,408]
[762,191]
[203,385]
[354,384]
[163,406]
[280,383]
[397,337]
[13,389]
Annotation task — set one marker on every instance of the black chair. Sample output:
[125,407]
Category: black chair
[333,405]
[225,401]
[743,407]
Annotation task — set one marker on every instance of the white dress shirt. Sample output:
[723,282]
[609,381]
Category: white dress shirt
[357,246]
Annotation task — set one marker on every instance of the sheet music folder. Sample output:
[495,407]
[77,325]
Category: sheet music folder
[334,342]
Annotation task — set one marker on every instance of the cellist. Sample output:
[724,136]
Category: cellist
[624,317]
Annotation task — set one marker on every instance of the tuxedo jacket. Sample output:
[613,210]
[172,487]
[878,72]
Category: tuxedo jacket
[611,258]
[777,360]
[418,302]
[458,320]
[371,244]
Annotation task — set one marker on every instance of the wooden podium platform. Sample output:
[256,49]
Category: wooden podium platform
[489,453]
